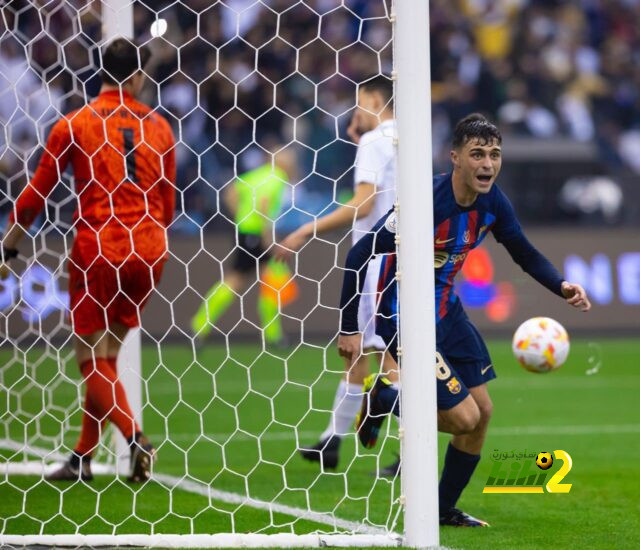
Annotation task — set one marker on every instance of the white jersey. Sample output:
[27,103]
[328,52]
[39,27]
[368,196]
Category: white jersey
[376,163]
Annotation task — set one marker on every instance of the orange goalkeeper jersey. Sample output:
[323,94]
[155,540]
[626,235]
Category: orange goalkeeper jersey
[123,160]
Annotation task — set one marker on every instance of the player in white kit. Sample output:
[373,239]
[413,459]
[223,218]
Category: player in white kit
[373,129]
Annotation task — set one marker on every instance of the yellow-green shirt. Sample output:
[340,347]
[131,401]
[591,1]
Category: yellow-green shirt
[259,198]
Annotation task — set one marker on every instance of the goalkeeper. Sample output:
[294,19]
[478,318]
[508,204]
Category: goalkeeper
[122,154]
[254,199]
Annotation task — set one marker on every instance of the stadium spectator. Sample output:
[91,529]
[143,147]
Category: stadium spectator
[541,68]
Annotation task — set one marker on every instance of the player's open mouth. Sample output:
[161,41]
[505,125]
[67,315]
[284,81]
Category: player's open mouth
[484,179]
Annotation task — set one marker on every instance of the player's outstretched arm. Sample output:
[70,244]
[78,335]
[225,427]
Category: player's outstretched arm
[576,296]
[360,205]
[541,269]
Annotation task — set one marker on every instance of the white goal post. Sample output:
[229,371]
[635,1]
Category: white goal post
[412,519]
[416,279]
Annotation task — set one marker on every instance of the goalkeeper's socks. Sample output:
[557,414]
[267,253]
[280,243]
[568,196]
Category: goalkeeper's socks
[218,300]
[346,405]
[93,421]
[107,394]
[458,469]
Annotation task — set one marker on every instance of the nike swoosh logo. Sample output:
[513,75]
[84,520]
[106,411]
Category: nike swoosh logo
[438,241]
[484,370]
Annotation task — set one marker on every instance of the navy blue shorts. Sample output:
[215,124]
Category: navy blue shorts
[462,358]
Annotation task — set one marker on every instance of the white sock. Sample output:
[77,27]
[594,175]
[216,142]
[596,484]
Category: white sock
[345,408]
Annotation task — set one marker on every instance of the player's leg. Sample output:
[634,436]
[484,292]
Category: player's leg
[277,289]
[141,448]
[88,318]
[217,300]
[457,411]
[347,400]
[221,295]
[391,372]
[461,419]
[461,459]
[137,281]
[104,389]
[91,351]
[466,350]
[94,418]
[473,441]
[346,404]
[269,314]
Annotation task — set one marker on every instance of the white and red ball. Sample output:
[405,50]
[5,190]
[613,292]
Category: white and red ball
[541,344]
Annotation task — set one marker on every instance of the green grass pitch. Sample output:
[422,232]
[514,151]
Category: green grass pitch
[230,421]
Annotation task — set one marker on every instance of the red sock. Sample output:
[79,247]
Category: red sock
[108,396]
[93,423]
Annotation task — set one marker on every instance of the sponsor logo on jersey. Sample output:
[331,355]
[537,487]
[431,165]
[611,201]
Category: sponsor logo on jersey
[457,258]
[440,257]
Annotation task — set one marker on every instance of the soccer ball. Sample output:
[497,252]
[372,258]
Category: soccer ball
[541,344]
[544,460]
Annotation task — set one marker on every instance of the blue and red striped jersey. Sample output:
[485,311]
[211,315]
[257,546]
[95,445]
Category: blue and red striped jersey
[457,230]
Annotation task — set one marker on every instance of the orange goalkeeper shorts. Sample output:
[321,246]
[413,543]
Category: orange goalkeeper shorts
[103,294]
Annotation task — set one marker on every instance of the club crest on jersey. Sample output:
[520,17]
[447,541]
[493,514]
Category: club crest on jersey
[466,237]
[454,386]
[391,223]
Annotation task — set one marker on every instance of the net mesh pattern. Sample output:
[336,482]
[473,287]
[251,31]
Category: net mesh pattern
[239,82]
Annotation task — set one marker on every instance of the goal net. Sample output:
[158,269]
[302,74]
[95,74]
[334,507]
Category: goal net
[228,403]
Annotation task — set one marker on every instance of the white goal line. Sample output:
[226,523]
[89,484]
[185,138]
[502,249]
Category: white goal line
[219,540]
[39,468]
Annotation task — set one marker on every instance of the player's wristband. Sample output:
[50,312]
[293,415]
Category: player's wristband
[9,253]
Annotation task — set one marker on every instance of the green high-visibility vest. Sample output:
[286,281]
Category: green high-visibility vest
[255,188]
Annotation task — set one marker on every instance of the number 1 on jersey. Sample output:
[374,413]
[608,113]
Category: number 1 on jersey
[130,164]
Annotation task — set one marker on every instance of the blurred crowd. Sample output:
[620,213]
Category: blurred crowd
[544,68]
[237,77]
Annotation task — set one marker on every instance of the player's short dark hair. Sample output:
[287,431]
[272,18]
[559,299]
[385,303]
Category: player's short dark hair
[475,126]
[381,84]
[121,59]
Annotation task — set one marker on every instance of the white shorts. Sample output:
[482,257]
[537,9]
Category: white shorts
[367,311]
